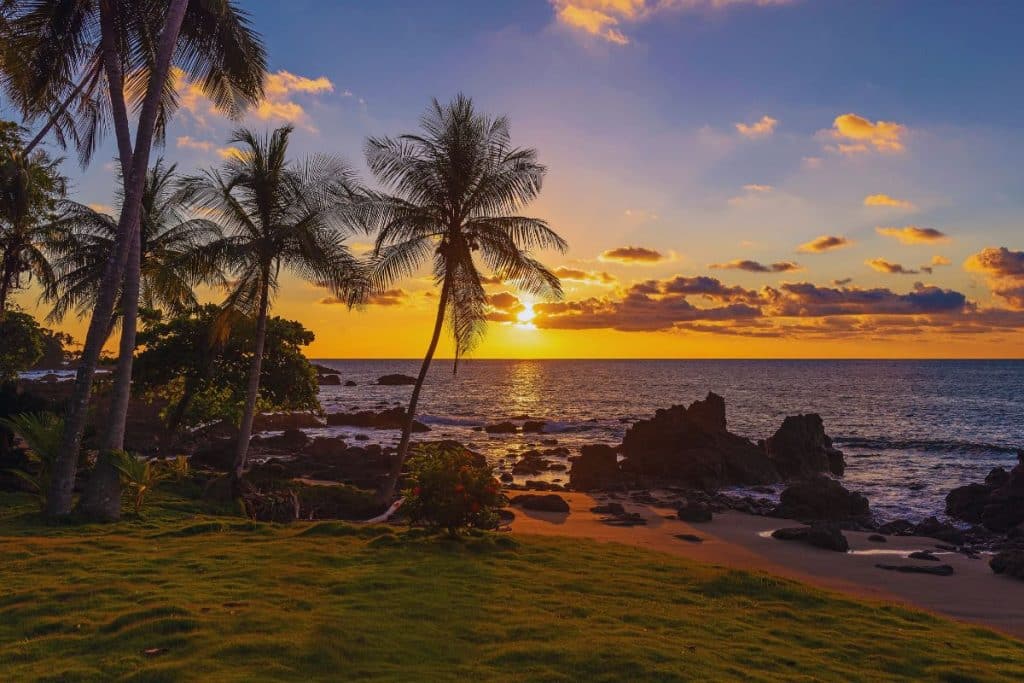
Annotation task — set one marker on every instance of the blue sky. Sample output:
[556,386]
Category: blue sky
[709,131]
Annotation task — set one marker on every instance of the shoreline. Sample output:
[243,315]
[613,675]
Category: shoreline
[973,594]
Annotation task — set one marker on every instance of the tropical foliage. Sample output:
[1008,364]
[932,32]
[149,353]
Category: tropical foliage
[452,488]
[140,475]
[41,433]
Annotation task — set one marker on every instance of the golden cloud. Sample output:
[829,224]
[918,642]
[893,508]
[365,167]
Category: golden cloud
[941,261]
[824,243]
[761,128]
[589,277]
[629,255]
[855,134]
[757,267]
[913,234]
[1005,269]
[186,142]
[883,266]
[887,201]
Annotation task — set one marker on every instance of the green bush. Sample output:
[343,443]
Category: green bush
[452,488]
[42,433]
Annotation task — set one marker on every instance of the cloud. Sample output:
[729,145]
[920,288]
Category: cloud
[640,215]
[913,234]
[604,18]
[504,307]
[1005,270]
[811,162]
[883,266]
[805,299]
[855,135]
[589,277]
[941,261]
[761,128]
[885,200]
[754,187]
[630,255]
[756,267]
[229,153]
[389,297]
[186,142]
[102,208]
[842,281]
[824,243]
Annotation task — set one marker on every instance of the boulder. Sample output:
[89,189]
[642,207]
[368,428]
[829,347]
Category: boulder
[827,536]
[396,380]
[289,440]
[349,383]
[692,447]
[597,467]
[694,511]
[609,509]
[541,503]
[998,503]
[329,380]
[933,528]
[821,498]
[1009,562]
[392,418]
[501,428]
[270,422]
[506,477]
[325,447]
[800,448]
[933,569]
[968,502]
[531,463]
[533,426]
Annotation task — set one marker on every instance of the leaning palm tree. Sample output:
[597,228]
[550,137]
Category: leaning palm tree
[276,214]
[456,190]
[172,259]
[83,61]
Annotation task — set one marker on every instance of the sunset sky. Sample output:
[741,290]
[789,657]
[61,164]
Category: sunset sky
[736,178]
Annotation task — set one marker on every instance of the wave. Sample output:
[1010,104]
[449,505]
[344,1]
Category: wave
[451,421]
[923,445]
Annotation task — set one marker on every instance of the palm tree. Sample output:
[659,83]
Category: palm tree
[64,57]
[276,214]
[172,261]
[457,188]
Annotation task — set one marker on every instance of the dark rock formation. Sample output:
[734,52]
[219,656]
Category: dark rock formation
[1009,562]
[691,446]
[933,528]
[878,538]
[501,428]
[821,498]
[827,536]
[289,440]
[934,569]
[396,380]
[329,380]
[998,503]
[923,555]
[533,426]
[800,448]
[393,418]
[597,467]
[349,383]
[694,511]
[609,509]
[268,422]
[541,503]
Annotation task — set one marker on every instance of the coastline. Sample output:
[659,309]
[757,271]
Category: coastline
[732,539]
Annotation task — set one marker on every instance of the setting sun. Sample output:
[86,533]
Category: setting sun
[526,315]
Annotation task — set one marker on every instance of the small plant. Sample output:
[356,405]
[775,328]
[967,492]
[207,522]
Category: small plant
[178,468]
[139,475]
[452,488]
[42,433]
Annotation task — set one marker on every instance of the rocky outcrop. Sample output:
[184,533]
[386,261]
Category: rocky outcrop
[800,448]
[533,426]
[821,498]
[998,503]
[393,418]
[1010,563]
[396,380]
[694,511]
[289,440]
[827,536]
[501,428]
[270,422]
[934,569]
[329,380]
[692,447]
[597,467]
[541,503]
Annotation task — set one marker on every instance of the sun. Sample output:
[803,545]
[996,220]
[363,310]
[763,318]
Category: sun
[526,316]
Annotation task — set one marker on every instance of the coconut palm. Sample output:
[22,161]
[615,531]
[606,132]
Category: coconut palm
[96,60]
[172,261]
[456,190]
[276,215]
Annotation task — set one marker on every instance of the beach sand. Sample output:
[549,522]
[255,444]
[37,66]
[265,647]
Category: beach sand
[736,540]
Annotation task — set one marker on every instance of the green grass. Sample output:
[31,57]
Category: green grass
[224,599]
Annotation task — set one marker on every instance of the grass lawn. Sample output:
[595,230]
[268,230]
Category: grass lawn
[221,599]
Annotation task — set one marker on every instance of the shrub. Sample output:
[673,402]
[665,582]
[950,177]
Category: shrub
[452,488]
[139,475]
[42,433]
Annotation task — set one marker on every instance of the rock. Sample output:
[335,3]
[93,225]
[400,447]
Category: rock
[392,418]
[998,503]
[350,383]
[923,555]
[506,477]
[692,447]
[968,502]
[272,422]
[533,426]
[827,536]
[541,503]
[934,570]
[609,509]
[597,467]
[625,519]
[396,380]
[1009,562]
[800,448]
[933,528]
[877,538]
[690,538]
[325,447]
[328,380]
[532,463]
[289,440]
[694,511]
[897,527]
[501,428]
[821,498]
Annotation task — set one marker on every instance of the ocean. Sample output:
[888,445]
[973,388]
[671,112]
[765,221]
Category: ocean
[911,430]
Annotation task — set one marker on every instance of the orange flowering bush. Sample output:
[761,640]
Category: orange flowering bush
[452,488]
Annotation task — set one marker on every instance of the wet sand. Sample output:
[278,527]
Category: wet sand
[736,540]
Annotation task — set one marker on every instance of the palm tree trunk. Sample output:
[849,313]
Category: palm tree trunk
[63,477]
[101,500]
[253,391]
[391,483]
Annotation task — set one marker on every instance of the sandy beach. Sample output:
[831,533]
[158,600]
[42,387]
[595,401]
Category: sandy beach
[736,540]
